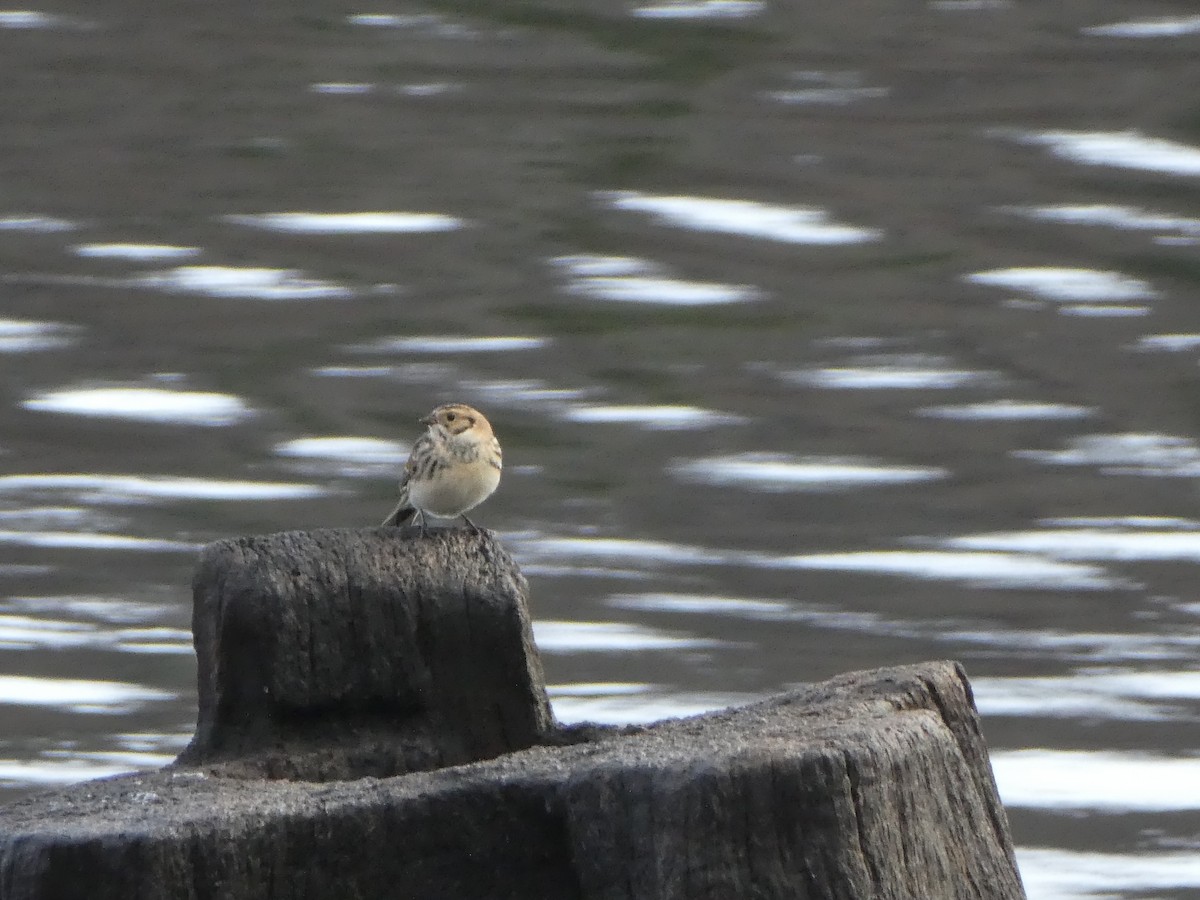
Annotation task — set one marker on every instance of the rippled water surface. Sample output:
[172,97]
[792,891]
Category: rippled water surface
[817,338]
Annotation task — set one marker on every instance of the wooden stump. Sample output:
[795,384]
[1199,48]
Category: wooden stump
[381,660]
[338,654]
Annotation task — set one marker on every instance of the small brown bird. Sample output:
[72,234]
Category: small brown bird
[453,467]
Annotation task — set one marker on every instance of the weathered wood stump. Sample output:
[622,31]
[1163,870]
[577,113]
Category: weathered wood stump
[337,654]
[383,660]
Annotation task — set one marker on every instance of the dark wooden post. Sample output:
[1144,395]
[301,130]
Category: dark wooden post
[373,724]
[339,654]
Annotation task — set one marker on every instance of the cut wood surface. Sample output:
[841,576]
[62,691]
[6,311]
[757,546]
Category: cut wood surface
[362,665]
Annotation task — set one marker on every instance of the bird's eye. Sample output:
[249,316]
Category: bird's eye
[449,417]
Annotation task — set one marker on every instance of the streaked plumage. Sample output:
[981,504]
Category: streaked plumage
[453,467]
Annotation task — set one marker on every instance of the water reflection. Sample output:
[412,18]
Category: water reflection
[135,252]
[1125,218]
[93,697]
[982,569]
[244,283]
[26,336]
[745,218]
[1051,874]
[631,280]
[1121,149]
[699,9]
[143,404]
[1166,26]
[782,472]
[610,637]
[827,89]
[884,371]
[1067,285]
[624,703]
[1007,411]
[450,343]
[1106,781]
[123,489]
[1155,455]
[353,457]
[350,223]
[655,418]
[36,224]
[1146,696]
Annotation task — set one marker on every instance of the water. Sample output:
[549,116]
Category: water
[804,360]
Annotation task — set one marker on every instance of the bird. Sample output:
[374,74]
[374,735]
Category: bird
[453,467]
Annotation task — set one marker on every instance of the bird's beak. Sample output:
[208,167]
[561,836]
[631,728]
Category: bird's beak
[427,420]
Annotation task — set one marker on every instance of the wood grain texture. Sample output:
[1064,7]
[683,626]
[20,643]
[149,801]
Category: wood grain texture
[337,654]
[373,724]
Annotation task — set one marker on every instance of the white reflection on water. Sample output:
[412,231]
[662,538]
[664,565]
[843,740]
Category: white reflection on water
[39,633]
[654,418]
[994,569]
[1169,343]
[827,89]
[1091,693]
[554,636]
[350,456]
[1051,874]
[1128,218]
[1103,311]
[99,697]
[350,223]
[1067,284]
[342,88]
[450,343]
[243,283]
[71,540]
[57,767]
[1105,781]
[1007,411]
[135,252]
[553,550]
[968,5]
[700,9]
[144,405]
[124,488]
[1121,149]
[1167,26]
[1156,455]
[28,19]
[629,703]
[428,23]
[630,280]
[38,224]
[20,772]
[981,638]
[746,218]
[530,392]
[985,569]
[1096,544]
[705,604]
[26,336]
[873,372]
[780,472]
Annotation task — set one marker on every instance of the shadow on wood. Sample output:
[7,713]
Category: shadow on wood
[355,655]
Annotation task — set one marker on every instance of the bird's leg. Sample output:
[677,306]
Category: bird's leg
[419,519]
[475,528]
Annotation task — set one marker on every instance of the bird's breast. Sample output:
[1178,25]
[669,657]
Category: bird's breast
[454,489]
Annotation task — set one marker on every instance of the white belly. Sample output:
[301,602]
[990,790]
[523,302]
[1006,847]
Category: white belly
[455,490]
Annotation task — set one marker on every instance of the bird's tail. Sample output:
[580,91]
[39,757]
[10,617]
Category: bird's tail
[402,514]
